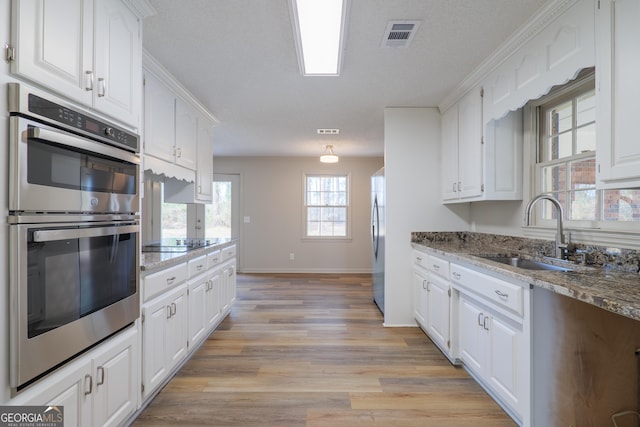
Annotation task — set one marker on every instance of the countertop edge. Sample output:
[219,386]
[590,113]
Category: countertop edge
[579,285]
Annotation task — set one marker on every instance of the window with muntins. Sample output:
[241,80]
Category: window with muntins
[566,166]
[326,206]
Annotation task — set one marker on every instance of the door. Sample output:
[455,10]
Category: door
[54,45]
[118,61]
[472,335]
[222,215]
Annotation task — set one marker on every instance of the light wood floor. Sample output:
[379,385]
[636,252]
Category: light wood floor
[310,350]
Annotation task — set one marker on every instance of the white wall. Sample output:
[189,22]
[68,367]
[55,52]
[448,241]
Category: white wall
[412,167]
[272,197]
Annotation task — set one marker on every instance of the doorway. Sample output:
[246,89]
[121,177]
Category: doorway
[222,215]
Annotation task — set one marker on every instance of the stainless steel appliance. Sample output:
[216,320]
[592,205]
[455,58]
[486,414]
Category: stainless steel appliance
[73,230]
[377,236]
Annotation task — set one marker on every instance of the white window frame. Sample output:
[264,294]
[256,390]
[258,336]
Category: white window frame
[596,232]
[306,206]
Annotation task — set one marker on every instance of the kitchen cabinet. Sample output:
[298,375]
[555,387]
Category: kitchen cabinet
[462,149]
[170,126]
[99,388]
[432,299]
[88,51]
[212,292]
[228,285]
[164,336]
[493,336]
[480,163]
[617,93]
[204,173]
[198,285]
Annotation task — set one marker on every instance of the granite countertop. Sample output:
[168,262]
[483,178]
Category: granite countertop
[611,286]
[152,261]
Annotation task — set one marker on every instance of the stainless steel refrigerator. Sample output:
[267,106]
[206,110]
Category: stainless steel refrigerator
[377,236]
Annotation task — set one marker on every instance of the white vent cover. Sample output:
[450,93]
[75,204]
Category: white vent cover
[328,131]
[399,33]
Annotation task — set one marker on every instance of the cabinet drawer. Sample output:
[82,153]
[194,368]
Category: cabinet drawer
[161,281]
[197,265]
[214,258]
[498,291]
[229,252]
[439,266]
[421,259]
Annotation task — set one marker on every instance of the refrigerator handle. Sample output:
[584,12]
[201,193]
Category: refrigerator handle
[375,227]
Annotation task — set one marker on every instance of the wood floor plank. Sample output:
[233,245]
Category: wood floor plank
[310,350]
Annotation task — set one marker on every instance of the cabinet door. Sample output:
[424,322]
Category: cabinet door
[420,283]
[177,328]
[186,135]
[115,381]
[438,310]
[197,308]
[470,145]
[159,119]
[155,343]
[54,45]
[449,154]
[472,335]
[617,93]
[118,61]
[204,175]
[213,299]
[503,365]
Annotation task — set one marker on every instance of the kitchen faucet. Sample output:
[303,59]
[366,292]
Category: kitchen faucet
[561,246]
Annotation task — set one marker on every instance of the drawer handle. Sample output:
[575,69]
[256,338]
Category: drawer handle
[502,294]
[456,275]
[480,315]
[170,280]
[199,266]
[419,259]
[436,267]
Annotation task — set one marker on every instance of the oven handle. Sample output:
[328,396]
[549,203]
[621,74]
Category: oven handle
[76,233]
[72,141]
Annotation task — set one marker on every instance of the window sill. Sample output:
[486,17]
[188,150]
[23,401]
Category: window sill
[594,236]
[324,239]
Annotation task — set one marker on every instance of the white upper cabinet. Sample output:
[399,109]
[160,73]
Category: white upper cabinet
[159,119]
[204,175]
[186,135]
[88,51]
[117,87]
[462,149]
[617,93]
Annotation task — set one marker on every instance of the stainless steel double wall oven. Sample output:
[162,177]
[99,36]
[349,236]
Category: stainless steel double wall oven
[73,230]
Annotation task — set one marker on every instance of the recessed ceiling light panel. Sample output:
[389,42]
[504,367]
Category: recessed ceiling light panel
[319,29]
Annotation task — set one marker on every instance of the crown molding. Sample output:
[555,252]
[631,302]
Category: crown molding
[545,16]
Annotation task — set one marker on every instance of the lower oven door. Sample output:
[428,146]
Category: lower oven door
[72,285]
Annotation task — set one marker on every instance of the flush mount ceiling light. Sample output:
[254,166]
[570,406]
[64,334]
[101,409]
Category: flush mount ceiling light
[329,156]
[319,29]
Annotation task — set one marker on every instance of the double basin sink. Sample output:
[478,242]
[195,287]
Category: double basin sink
[528,264]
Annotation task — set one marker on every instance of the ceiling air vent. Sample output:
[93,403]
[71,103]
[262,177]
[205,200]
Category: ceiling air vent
[399,33]
[328,131]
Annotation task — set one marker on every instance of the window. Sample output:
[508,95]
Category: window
[326,205]
[174,220]
[217,215]
[566,167]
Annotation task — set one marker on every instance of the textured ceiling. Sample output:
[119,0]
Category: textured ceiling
[238,58]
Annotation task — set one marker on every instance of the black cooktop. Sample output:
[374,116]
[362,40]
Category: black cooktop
[177,245]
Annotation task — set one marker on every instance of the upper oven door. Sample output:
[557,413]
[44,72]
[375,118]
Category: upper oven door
[54,171]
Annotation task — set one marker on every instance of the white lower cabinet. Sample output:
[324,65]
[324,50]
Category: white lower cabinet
[164,336]
[493,336]
[183,303]
[100,388]
[432,299]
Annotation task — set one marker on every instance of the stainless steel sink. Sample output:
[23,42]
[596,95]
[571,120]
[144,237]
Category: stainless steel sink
[527,264]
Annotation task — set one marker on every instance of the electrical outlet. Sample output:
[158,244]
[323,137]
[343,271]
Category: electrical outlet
[292,256]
